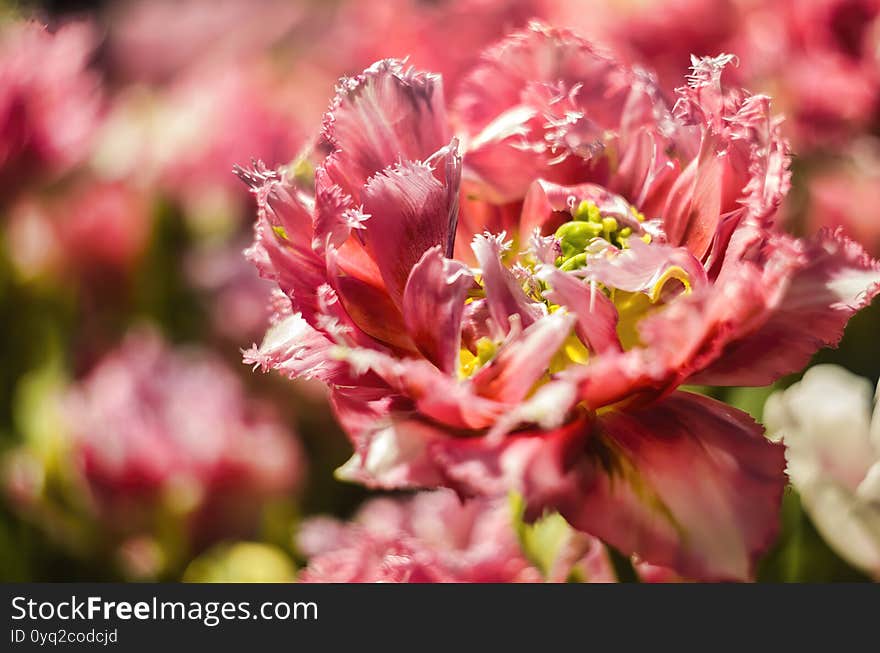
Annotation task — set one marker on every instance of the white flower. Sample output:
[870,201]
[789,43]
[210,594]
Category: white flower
[833,453]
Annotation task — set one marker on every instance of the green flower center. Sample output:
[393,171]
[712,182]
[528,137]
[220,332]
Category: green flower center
[588,224]
[585,237]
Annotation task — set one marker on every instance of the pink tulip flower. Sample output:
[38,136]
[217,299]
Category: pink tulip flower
[633,250]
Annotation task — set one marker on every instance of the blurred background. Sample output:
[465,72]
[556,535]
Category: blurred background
[134,444]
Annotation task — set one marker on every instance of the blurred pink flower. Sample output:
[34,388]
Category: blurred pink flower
[552,367]
[817,58]
[155,428]
[185,139]
[660,35]
[155,40]
[230,112]
[431,537]
[49,101]
[90,228]
[820,60]
[444,37]
[649,573]
[843,193]
[238,298]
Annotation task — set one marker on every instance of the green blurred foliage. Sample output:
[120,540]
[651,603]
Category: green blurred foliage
[800,555]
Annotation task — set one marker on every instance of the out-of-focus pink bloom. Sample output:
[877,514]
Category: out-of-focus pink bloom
[239,299]
[93,227]
[659,34]
[444,37]
[833,451]
[49,101]
[155,40]
[105,225]
[649,573]
[644,256]
[843,193]
[820,60]
[186,138]
[817,58]
[227,111]
[154,428]
[431,537]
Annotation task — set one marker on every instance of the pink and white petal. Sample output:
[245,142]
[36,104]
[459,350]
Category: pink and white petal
[769,174]
[693,206]
[536,98]
[545,208]
[373,311]
[386,114]
[504,295]
[369,558]
[646,173]
[360,406]
[478,217]
[742,136]
[688,483]
[394,455]
[548,408]
[676,341]
[523,359]
[482,467]
[640,267]
[435,394]
[703,100]
[596,315]
[476,323]
[282,240]
[548,205]
[409,214]
[545,56]
[333,218]
[322,534]
[433,305]
[836,278]
[295,349]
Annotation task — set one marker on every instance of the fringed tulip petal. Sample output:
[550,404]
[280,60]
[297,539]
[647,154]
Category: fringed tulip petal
[433,305]
[409,214]
[387,114]
[834,278]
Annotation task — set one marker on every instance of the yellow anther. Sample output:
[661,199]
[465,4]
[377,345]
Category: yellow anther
[637,214]
[470,363]
[672,272]
[609,225]
[573,352]
[587,211]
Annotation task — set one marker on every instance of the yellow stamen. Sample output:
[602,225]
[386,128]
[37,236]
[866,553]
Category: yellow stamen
[470,363]
[587,211]
[572,352]
[672,272]
[609,226]
[637,214]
